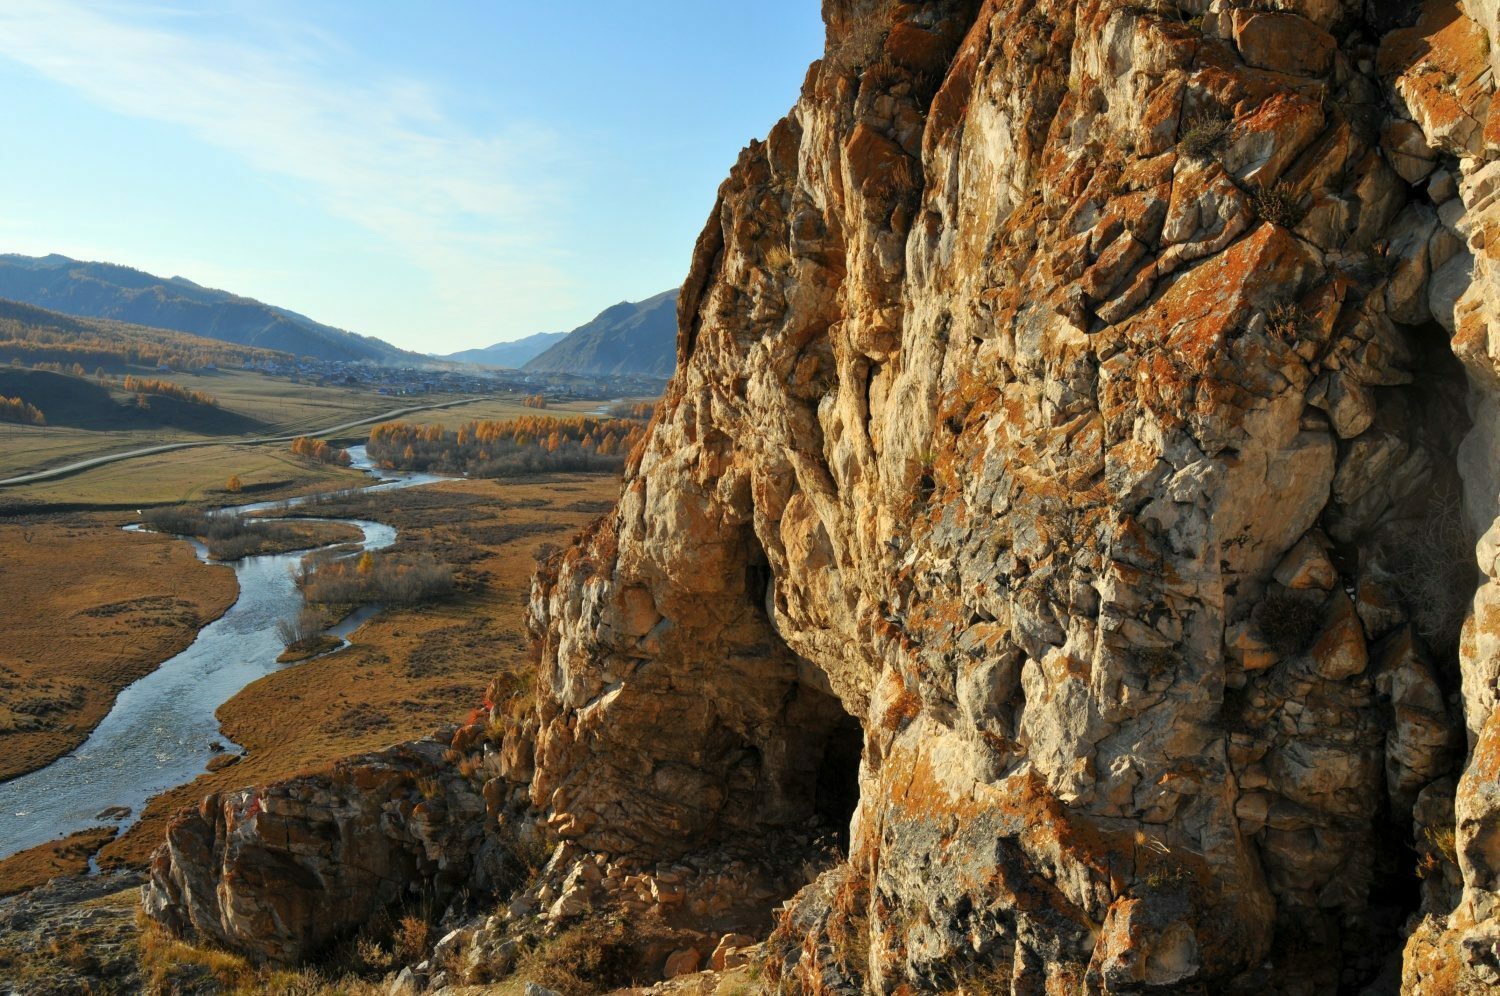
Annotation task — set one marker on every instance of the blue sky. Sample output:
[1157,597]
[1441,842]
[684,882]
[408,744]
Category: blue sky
[440,174]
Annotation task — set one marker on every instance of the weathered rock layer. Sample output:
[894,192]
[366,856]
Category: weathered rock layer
[1084,428]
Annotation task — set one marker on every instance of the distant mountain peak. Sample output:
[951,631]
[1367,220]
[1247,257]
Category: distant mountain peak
[632,337]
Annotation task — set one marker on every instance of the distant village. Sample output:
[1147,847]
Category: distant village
[460,379]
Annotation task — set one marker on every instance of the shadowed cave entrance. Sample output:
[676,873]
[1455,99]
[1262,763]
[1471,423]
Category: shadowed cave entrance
[817,779]
[836,790]
[820,743]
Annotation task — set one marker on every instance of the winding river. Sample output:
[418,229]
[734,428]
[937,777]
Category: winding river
[157,736]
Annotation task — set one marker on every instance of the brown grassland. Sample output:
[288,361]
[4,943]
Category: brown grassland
[89,609]
[66,856]
[269,406]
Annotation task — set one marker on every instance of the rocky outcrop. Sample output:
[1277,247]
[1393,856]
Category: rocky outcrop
[1084,425]
[283,870]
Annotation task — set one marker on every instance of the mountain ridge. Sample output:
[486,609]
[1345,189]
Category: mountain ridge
[113,291]
[509,355]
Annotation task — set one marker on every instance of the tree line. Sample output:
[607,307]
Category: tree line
[525,445]
[168,389]
[392,579]
[99,343]
[16,410]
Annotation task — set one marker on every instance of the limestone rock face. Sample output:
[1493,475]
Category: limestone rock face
[1094,403]
[1080,485]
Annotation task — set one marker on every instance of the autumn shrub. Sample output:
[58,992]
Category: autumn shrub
[1286,321]
[301,629]
[412,938]
[595,956]
[386,578]
[778,258]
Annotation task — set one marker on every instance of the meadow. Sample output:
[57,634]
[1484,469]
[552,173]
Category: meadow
[249,405]
[199,475]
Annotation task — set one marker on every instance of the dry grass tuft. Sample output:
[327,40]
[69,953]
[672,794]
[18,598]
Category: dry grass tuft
[849,928]
[1205,135]
[1285,322]
[596,956]
[1278,204]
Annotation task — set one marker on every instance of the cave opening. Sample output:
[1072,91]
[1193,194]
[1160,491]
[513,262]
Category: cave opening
[1424,541]
[824,748]
[812,772]
[836,784]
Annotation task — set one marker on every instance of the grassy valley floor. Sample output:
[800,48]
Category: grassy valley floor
[198,475]
[132,600]
[409,670]
[249,405]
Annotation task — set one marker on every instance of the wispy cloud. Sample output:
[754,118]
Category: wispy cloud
[378,150]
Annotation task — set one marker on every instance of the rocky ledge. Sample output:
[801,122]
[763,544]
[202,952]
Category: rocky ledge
[1081,482]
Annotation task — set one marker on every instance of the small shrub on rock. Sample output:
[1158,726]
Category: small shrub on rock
[1204,136]
[1433,560]
[1285,322]
[596,956]
[1278,204]
[1155,661]
[1288,621]
[412,939]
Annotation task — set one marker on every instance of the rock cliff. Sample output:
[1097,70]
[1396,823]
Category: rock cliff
[1079,484]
